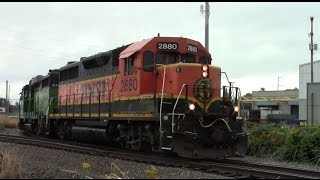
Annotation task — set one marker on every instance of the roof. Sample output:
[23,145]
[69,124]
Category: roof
[308,63]
[134,48]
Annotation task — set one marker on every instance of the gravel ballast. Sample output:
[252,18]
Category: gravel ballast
[46,163]
[40,162]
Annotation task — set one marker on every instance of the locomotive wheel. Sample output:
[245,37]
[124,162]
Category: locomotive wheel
[146,145]
[35,128]
[40,130]
[64,130]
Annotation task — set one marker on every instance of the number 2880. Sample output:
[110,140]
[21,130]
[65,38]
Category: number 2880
[167,46]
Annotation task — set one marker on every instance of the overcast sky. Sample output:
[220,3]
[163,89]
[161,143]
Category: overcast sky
[255,43]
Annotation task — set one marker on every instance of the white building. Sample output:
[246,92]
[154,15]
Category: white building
[304,78]
[284,102]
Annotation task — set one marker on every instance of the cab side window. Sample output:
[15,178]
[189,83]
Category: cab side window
[129,65]
[148,61]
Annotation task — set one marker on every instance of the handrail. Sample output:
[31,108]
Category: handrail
[174,107]
[161,101]
[47,116]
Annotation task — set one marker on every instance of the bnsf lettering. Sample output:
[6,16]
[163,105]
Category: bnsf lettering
[99,86]
[129,85]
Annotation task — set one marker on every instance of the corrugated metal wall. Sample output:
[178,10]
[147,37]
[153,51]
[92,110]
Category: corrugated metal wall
[304,78]
[313,104]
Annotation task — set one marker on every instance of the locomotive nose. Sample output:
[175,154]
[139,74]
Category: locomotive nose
[203,90]
[218,136]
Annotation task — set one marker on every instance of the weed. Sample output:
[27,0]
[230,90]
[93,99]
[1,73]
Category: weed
[9,168]
[8,122]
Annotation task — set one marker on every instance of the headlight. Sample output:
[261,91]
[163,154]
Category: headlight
[236,109]
[192,107]
[205,68]
[205,74]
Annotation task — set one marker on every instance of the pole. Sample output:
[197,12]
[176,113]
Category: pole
[207,13]
[6,103]
[312,109]
[311,48]
[278,84]
[9,99]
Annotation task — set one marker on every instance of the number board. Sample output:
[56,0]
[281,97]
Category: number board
[192,48]
[167,46]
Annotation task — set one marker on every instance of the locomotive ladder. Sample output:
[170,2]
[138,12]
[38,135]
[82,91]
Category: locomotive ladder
[165,142]
[174,108]
[161,103]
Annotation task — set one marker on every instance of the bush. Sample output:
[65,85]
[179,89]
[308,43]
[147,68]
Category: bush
[265,139]
[302,145]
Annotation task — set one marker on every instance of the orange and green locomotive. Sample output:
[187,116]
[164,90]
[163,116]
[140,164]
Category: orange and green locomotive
[158,94]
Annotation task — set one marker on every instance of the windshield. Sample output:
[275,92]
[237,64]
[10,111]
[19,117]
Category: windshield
[166,58]
[174,57]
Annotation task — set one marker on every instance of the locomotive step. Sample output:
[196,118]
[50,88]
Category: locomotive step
[167,102]
[166,148]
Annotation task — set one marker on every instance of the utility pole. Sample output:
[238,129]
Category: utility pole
[6,102]
[207,13]
[8,99]
[311,48]
[278,84]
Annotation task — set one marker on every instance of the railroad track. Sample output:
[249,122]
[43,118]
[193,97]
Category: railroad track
[238,169]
